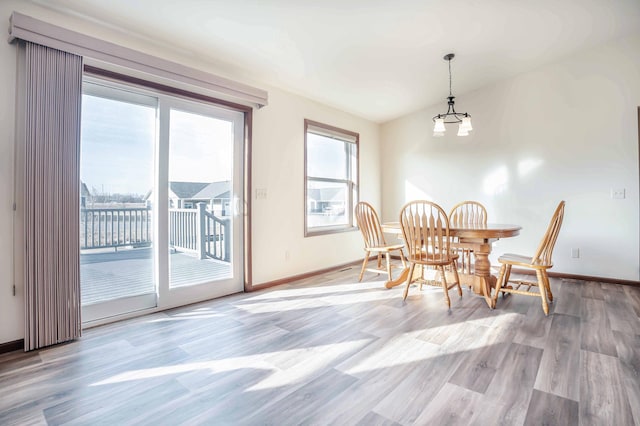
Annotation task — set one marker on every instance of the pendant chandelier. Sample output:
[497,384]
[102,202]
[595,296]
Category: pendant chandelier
[451,116]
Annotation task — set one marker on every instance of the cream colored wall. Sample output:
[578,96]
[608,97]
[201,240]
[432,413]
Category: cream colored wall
[278,222]
[277,158]
[567,131]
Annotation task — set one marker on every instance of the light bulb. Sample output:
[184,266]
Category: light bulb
[439,126]
[462,131]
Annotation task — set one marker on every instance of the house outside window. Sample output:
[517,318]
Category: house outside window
[331,178]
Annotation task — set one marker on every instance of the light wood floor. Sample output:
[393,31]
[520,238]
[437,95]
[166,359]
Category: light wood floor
[330,350]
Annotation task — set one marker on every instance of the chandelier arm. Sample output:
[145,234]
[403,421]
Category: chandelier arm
[450,118]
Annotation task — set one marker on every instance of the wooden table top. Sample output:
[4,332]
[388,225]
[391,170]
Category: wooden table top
[488,231]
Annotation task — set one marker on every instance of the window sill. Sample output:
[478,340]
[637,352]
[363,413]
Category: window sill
[329,230]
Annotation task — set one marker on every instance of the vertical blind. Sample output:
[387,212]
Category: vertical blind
[52,102]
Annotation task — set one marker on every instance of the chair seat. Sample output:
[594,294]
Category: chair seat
[521,260]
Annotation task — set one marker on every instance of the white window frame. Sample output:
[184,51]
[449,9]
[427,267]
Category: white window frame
[351,141]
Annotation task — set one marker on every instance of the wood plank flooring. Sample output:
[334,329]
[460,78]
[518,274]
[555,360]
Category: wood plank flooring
[329,350]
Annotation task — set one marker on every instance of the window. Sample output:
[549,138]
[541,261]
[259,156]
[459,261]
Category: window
[331,178]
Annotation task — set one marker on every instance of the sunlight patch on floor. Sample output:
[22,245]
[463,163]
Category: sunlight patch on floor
[189,316]
[315,357]
[316,290]
[387,355]
[318,301]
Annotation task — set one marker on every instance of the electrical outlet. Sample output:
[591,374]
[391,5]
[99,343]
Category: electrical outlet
[287,255]
[575,253]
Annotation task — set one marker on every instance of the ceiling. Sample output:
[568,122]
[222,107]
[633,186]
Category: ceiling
[378,59]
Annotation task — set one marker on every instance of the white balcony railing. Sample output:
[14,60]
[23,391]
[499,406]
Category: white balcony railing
[196,231]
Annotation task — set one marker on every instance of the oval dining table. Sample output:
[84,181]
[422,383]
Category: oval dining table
[478,238]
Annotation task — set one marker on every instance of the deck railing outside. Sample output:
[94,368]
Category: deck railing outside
[115,227]
[192,230]
[217,237]
[200,232]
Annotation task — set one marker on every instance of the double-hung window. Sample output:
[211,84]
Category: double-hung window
[331,178]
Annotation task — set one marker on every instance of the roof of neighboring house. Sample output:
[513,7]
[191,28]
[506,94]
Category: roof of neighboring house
[187,189]
[198,190]
[84,191]
[220,189]
[326,194]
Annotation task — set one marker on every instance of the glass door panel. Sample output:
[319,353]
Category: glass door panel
[201,198]
[118,138]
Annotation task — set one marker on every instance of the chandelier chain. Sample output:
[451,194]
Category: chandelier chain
[450,93]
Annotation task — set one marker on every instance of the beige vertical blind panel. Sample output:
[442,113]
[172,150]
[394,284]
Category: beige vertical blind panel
[26,28]
[52,103]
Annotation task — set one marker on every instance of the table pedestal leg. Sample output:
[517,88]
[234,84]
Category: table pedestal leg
[483,281]
[400,280]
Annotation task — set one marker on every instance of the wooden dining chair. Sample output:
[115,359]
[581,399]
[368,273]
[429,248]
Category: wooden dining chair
[374,241]
[539,262]
[425,229]
[466,213]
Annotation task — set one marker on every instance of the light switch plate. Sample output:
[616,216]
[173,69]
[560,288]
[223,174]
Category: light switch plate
[261,193]
[618,193]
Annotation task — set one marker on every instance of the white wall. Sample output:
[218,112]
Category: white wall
[278,155]
[567,131]
[278,220]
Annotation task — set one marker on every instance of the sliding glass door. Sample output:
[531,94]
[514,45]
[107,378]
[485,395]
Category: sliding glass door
[204,158]
[117,170]
[160,218]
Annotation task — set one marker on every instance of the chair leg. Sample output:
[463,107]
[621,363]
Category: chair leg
[455,274]
[404,262]
[388,257]
[406,290]
[548,285]
[379,260]
[364,265]
[445,287]
[499,284]
[506,278]
[542,287]
[467,253]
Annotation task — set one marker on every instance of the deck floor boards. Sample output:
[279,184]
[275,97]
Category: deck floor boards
[124,273]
